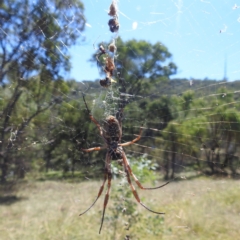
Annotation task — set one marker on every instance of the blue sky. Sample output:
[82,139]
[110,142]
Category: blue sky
[202,35]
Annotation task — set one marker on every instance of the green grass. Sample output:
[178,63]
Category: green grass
[197,209]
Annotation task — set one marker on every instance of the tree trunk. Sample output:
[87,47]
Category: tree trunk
[73,167]
[4,168]
[174,150]
[167,167]
[173,163]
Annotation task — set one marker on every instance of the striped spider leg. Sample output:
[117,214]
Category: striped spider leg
[111,132]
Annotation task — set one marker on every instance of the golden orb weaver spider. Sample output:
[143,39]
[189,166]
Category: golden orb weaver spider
[111,132]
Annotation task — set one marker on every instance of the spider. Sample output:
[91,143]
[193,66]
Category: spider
[102,51]
[111,132]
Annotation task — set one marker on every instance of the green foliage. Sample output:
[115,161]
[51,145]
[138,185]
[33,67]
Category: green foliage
[32,61]
[142,59]
[144,168]
[155,225]
[142,65]
[185,126]
[125,206]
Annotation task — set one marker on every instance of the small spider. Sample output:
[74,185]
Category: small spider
[111,132]
[101,52]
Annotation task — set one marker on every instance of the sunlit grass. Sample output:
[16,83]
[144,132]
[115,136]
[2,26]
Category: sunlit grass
[197,209]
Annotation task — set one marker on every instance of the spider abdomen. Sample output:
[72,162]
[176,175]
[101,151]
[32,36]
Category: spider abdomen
[111,130]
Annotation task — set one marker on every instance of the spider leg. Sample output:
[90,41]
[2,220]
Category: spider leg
[99,193]
[109,177]
[93,149]
[133,141]
[127,166]
[126,163]
[97,124]
[136,194]
[98,61]
[92,118]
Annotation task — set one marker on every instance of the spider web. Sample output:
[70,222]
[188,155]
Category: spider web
[200,140]
[202,38]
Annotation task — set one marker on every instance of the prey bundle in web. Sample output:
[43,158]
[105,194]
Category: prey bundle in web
[114,97]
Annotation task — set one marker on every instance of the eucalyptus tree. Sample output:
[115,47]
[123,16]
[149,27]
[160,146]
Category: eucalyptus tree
[34,39]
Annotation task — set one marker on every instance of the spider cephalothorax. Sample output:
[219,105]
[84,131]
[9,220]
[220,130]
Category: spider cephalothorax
[111,132]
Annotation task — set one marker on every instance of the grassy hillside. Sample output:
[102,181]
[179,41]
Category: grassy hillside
[197,209]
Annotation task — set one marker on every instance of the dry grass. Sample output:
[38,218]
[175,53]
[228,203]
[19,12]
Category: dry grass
[197,209]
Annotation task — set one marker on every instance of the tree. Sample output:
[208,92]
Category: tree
[224,121]
[34,39]
[141,59]
[142,64]
[144,70]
